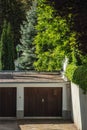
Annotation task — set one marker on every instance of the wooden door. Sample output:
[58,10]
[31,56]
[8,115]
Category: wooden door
[42,102]
[7,102]
[54,102]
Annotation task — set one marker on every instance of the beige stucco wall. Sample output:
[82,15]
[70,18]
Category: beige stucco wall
[79,107]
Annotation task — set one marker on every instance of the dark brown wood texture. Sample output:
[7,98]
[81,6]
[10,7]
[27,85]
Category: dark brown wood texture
[42,102]
[7,102]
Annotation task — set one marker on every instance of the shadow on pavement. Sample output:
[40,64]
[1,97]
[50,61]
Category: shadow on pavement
[9,125]
[44,121]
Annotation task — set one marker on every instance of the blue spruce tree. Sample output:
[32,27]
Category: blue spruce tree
[26,50]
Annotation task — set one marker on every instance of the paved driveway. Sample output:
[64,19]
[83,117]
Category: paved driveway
[37,125]
[8,125]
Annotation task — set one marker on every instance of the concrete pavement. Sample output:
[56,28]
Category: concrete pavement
[37,125]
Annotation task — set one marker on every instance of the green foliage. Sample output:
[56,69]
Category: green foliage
[83,59]
[6,48]
[49,62]
[80,77]
[53,40]
[26,48]
[70,71]
[10,48]
[13,12]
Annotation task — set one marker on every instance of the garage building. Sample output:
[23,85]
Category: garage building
[33,95]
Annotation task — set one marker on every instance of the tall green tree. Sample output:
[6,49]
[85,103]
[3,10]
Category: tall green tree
[13,11]
[28,32]
[7,48]
[54,39]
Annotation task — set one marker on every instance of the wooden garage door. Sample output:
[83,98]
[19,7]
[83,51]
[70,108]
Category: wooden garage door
[42,102]
[7,102]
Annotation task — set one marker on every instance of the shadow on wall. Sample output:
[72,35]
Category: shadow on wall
[83,109]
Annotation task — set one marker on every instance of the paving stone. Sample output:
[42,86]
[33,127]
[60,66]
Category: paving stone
[46,125]
[37,125]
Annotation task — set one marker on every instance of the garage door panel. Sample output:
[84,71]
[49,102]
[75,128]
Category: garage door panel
[31,102]
[55,102]
[7,102]
[42,102]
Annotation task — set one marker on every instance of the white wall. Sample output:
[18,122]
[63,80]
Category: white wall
[65,96]
[79,107]
[20,98]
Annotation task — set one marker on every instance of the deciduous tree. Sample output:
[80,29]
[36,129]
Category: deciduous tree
[54,39]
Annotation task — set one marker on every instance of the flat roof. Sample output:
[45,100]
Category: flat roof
[24,77]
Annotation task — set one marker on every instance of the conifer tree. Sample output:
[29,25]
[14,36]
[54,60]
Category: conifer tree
[6,48]
[13,11]
[26,48]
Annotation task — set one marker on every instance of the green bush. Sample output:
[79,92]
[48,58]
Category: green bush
[78,75]
[70,71]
